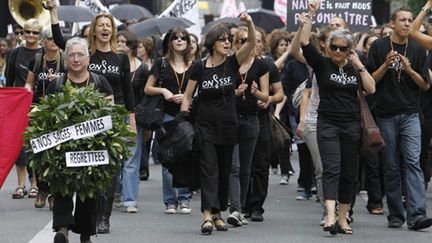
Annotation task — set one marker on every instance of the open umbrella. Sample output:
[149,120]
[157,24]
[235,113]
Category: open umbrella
[158,26]
[71,13]
[209,25]
[130,11]
[266,19]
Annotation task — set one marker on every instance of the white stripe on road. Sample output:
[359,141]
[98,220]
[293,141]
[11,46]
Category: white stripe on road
[45,235]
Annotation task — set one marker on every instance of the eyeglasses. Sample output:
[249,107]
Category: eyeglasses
[224,38]
[334,47]
[78,55]
[242,40]
[49,38]
[176,37]
[28,32]
[18,32]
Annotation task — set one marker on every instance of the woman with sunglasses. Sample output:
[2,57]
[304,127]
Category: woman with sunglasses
[254,73]
[16,75]
[338,126]
[173,70]
[216,118]
[115,67]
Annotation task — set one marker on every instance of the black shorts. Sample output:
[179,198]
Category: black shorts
[22,159]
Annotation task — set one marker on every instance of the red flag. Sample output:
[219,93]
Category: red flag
[14,107]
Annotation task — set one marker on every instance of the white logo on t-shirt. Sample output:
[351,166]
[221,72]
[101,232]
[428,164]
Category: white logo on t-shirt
[397,65]
[343,78]
[216,82]
[104,68]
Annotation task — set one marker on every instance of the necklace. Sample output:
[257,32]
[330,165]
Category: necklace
[179,83]
[243,80]
[399,69]
[86,81]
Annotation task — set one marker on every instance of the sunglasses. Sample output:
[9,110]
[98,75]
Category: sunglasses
[49,38]
[176,37]
[18,32]
[334,47]
[28,32]
[224,39]
[242,40]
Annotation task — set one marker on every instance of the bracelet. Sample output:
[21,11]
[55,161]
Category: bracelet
[362,69]
[426,10]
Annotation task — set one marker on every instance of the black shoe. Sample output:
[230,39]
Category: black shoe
[103,226]
[395,223]
[221,226]
[144,175]
[61,236]
[421,223]
[206,229]
[257,216]
[333,228]
[85,238]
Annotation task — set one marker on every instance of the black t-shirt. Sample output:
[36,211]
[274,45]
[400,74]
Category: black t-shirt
[139,81]
[394,96]
[294,73]
[172,81]
[17,71]
[41,83]
[216,115]
[337,87]
[116,69]
[103,85]
[247,103]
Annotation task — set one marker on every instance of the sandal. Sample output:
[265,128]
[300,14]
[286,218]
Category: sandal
[222,226]
[207,227]
[40,201]
[19,193]
[377,211]
[346,231]
[33,192]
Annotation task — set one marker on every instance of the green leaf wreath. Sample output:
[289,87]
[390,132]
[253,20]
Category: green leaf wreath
[63,109]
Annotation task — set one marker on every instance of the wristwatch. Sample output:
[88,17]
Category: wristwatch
[362,69]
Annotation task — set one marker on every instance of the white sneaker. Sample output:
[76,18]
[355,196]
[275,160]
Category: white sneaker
[284,180]
[185,208]
[131,209]
[234,219]
[171,209]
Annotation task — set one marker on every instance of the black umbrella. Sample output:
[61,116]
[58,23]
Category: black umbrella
[209,25]
[130,11]
[71,13]
[266,19]
[158,26]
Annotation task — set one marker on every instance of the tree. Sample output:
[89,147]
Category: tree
[415,5]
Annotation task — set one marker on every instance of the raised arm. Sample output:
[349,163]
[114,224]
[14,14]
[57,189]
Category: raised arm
[55,27]
[245,50]
[423,39]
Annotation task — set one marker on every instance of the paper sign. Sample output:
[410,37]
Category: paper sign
[87,158]
[77,131]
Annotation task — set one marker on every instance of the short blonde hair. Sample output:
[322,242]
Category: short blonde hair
[32,23]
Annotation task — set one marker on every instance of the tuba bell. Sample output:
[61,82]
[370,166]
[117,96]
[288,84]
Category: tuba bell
[22,10]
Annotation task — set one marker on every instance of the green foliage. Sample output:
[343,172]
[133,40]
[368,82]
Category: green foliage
[63,109]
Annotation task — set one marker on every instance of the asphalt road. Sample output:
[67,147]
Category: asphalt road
[286,220]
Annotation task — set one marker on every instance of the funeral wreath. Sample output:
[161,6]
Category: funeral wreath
[66,109]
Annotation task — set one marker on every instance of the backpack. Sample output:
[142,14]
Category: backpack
[61,81]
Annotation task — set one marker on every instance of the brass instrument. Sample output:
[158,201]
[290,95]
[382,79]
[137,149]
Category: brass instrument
[22,10]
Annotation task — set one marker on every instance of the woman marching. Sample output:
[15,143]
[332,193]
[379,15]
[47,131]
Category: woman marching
[172,72]
[216,118]
[115,68]
[338,126]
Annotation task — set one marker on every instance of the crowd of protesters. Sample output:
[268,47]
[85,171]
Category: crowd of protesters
[239,78]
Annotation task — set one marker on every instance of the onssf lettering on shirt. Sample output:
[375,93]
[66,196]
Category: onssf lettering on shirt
[77,131]
[216,82]
[104,68]
[343,78]
[87,158]
[397,64]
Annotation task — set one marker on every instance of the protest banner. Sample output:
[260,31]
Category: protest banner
[187,9]
[87,158]
[14,106]
[356,13]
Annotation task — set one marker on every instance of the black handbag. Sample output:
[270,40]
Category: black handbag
[280,134]
[149,113]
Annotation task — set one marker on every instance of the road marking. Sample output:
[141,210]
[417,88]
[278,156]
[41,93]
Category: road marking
[45,235]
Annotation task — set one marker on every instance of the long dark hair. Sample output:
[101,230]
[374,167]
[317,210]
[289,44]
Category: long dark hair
[167,48]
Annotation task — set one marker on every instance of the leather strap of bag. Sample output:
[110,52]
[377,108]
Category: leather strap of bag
[162,72]
[366,115]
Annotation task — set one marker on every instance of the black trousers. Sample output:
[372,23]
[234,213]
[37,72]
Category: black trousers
[425,161]
[307,173]
[215,168]
[84,219]
[339,144]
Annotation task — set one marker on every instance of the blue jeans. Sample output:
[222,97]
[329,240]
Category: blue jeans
[172,195]
[131,172]
[401,134]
